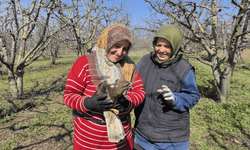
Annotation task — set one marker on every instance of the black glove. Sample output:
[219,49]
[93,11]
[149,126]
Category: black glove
[97,103]
[122,104]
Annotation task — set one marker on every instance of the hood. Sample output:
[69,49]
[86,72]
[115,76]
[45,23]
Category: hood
[174,36]
[113,34]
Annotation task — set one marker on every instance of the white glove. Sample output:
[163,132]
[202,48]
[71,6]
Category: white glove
[167,94]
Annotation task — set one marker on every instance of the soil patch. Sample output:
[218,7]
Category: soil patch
[30,130]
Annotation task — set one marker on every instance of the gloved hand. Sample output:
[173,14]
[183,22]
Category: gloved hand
[97,102]
[167,94]
[122,104]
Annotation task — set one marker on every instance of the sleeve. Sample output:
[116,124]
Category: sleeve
[78,77]
[189,95]
[136,94]
[138,64]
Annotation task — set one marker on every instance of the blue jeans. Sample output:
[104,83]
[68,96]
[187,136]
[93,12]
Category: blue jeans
[141,143]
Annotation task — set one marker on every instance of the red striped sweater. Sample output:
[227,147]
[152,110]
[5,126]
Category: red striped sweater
[87,134]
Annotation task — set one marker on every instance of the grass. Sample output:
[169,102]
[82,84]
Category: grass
[220,126]
[40,78]
[213,125]
[40,71]
[227,124]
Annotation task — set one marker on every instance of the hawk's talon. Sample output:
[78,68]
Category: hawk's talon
[115,111]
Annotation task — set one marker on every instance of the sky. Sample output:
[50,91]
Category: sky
[137,8]
[141,9]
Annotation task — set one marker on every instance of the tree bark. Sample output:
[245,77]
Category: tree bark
[12,84]
[19,80]
[53,60]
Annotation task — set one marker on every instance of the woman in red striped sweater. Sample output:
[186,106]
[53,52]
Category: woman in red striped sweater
[109,62]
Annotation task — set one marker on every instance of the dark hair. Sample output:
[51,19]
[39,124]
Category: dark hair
[154,41]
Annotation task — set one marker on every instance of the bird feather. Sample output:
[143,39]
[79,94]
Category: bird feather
[115,129]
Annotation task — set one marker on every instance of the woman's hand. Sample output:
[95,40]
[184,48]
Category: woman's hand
[167,94]
[98,102]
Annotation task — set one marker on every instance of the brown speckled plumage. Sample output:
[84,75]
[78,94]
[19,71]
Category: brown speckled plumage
[114,92]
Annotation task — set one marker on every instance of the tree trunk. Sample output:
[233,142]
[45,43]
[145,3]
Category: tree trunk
[224,88]
[12,84]
[19,80]
[53,60]
[223,82]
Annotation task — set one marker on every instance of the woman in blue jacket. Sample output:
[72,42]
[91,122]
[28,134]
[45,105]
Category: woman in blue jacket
[162,120]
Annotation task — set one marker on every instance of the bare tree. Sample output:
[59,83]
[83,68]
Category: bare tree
[142,40]
[209,26]
[20,25]
[26,31]
[85,20]
[53,49]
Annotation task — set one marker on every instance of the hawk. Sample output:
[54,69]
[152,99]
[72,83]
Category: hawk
[114,91]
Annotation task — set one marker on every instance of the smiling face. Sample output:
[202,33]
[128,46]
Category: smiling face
[118,51]
[163,49]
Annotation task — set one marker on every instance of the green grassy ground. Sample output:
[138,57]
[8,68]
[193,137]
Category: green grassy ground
[49,124]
